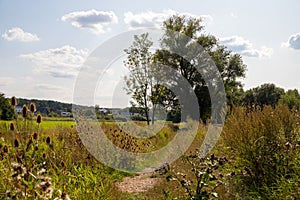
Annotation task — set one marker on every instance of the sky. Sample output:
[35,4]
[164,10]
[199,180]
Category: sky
[44,43]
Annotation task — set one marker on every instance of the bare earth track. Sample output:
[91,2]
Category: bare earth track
[137,184]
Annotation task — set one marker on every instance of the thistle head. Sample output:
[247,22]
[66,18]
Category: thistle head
[48,140]
[32,107]
[17,143]
[25,111]
[14,101]
[39,119]
[35,136]
[12,126]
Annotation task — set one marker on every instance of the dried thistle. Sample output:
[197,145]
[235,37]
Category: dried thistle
[14,101]
[16,143]
[12,126]
[25,111]
[35,136]
[48,140]
[32,107]
[39,119]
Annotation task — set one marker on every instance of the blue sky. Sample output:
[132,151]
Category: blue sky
[43,43]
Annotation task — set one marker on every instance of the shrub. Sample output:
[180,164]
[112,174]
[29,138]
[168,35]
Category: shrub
[266,146]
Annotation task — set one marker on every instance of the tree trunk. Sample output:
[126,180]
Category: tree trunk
[153,113]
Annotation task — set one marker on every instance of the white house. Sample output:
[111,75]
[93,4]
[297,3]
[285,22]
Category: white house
[18,109]
[65,114]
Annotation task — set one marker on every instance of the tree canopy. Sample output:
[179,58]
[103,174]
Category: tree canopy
[6,110]
[229,64]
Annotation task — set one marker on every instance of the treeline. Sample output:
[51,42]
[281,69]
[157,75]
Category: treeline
[269,94]
[48,107]
[45,107]
[254,98]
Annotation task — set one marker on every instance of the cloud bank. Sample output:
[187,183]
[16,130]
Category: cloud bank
[245,47]
[61,62]
[92,20]
[18,34]
[155,19]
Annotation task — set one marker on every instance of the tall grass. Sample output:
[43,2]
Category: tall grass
[265,147]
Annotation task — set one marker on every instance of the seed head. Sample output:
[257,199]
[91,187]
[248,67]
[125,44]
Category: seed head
[48,140]
[25,111]
[39,119]
[32,107]
[35,135]
[12,126]
[14,101]
[17,143]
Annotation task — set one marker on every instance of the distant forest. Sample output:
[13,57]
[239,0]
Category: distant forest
[47,106]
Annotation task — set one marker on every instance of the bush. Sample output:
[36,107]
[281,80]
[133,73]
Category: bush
[266,146]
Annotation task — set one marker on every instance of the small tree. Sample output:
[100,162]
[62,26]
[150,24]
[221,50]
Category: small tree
[142,83]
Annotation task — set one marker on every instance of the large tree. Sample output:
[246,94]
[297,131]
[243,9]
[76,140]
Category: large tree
[230,65]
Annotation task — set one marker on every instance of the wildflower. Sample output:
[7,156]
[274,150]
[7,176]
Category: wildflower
[32,107]
[25,111]
[39,119]
[41,172]
[12,126]
[20,168]
[46,186]
[14,101]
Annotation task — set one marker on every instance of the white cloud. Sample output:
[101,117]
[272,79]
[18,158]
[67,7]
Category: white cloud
[61,62]
[245,47]
[293,42]
[19,35]
[155,19]
[93,20]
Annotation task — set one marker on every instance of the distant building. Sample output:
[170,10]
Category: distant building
[65,114]
[18,109]
[103,111]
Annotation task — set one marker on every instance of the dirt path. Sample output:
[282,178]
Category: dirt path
[140,183]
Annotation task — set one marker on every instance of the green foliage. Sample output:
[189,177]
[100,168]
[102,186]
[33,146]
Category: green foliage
[265,144]
[230,65]
[140,81]
[291,98]
[6,110]
[266,94]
